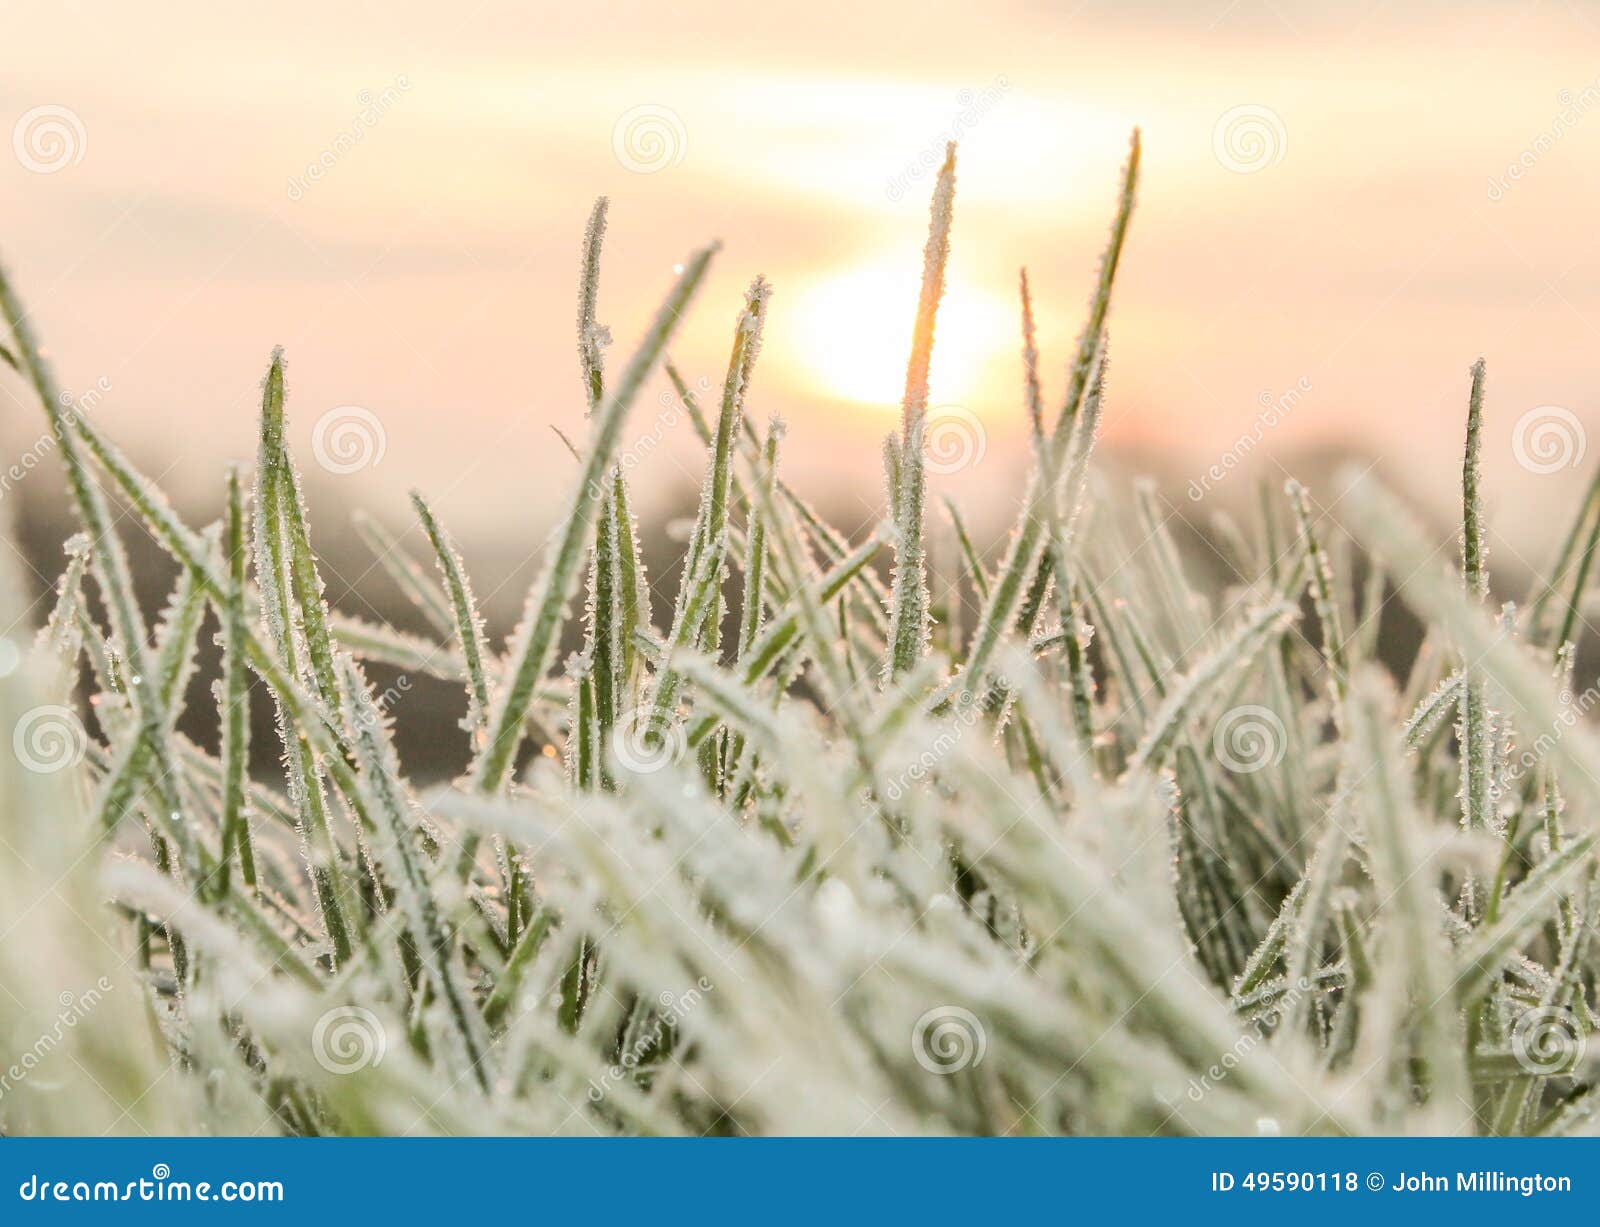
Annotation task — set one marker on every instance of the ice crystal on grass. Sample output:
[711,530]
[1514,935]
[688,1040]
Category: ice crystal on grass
[833,875]
[908,617]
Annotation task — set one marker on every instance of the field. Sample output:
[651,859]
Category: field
[804,854]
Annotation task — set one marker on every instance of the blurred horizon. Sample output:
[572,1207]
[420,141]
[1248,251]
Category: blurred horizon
[1329,232]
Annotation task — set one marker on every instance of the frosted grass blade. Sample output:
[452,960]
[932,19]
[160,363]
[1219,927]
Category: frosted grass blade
[534,643]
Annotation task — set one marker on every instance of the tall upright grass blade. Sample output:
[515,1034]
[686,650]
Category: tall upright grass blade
[1474,729]
[1322,593]
[274,556]
[234,698]
[753,615]
[908,614]
[110,558]
[398,841]
[469,623]
[592,337]
[1413,921]
[701,586]
[534,644]
[1022,554]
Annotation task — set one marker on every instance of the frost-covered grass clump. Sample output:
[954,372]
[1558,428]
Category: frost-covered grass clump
[799,854]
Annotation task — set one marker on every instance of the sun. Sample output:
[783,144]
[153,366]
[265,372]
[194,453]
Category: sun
[852,335]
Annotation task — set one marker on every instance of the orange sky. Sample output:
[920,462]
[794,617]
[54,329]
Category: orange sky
[157,211]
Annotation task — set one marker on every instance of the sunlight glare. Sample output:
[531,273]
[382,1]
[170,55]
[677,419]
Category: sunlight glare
[852,335]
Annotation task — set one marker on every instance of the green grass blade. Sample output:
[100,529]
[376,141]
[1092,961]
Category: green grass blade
[908,610]
[469,624]
[701,585]
[234,698]
[534,643]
